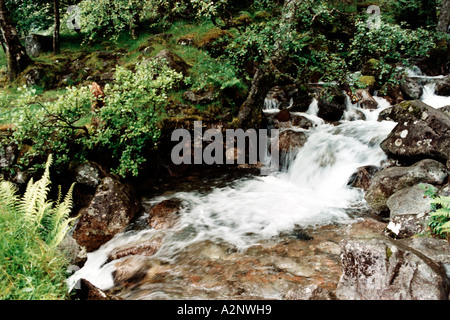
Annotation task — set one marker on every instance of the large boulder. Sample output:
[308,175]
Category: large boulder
[423,132]
[165,214]
[109,213]
[412,90]
[384,269]
[291,140]
[409,210]
[388,181]
[332,109]
[443,86]
[36,44]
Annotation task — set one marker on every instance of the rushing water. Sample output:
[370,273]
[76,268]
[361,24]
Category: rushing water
[250,213]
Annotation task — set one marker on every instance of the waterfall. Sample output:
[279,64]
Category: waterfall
[311,191]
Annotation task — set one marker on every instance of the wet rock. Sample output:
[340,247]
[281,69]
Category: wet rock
[366,100]
[363,177]
[412,90]
[332,109]
[388,181]
[311,292]
[283,116]
[165,214]
[88,174]
[75,253]
[131,270]
[409,209]
[422,132]
[109,212]
[290,140]
[146,248]
[88,291]
[301,122]
[385,269]
[173,61]
[443,86]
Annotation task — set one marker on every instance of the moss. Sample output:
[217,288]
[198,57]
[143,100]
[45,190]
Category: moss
[368,81]
[388,252]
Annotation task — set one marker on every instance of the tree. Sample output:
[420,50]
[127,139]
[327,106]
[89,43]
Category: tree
[444,17]
[17,58]
[56,44]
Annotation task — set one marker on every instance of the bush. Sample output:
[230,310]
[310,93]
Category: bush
[31,228]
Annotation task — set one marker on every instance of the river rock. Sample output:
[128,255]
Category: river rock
[301,121]
[443,86]
[90,292]
[422,132]
[411,89]
[146,248]
[283,116]
[131,270]
[311,292]
[109,212]
[362,178]
[289,140]
[332,109]
[409,209]
[365,99]
[165,214]
[388,181]
[384,269]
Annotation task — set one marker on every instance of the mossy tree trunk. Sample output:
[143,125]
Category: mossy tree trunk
[444,17]
[266,75]
[56,31]
[16,55]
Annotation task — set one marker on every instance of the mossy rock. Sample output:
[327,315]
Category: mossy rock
[370,68]
[243,20]
[215,41]
[367,81]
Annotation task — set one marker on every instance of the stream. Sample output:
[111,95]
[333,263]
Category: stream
[260,237]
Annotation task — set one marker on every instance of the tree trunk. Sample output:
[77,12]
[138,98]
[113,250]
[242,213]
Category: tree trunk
[16,56]
[444,17]
[56,42]
[250,111]
[265,77]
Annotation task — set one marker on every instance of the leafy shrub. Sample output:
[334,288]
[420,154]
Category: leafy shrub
[129,119]
[31,228]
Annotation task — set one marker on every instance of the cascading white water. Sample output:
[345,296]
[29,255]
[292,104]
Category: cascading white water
[313,191]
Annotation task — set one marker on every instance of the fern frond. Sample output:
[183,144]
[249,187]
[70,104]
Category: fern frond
[8,197]
[61,220]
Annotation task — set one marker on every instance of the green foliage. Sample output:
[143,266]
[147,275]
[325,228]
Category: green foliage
[31,228]
[440,217]
[31,15]
[217,74]
[129,119]
[127,124]
[52,127]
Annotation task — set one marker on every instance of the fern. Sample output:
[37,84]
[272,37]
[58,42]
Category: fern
[440,218]
[50,220]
